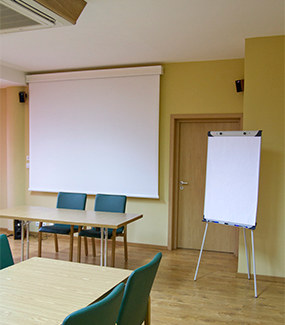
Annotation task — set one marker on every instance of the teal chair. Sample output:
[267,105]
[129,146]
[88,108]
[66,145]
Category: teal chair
[106,203]
[6,258]
[103,312]
[76,201]
[135,304]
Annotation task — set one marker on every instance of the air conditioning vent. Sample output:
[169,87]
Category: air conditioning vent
[11,19]
[18,15]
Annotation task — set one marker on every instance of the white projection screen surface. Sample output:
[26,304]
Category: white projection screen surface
[95,133]
[232,179]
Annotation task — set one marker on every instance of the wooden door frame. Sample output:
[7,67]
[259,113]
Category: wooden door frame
[175,123]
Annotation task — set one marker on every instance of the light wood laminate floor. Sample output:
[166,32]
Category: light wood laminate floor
[217,297]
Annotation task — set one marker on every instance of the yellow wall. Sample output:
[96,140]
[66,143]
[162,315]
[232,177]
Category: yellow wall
[3,149]
[264,109]
[195,87]
[12,148]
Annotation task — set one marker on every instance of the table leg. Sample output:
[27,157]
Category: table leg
[22,239]
[79,245]
[113,246]
[106,247]
[40,240]
[86,246]
[102,242]
[93,246]
[28,239]
[71,243]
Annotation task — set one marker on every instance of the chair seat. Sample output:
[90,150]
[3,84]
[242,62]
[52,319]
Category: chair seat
[96,232]
[58,229]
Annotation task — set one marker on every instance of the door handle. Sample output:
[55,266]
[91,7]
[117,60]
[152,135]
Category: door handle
[183,183]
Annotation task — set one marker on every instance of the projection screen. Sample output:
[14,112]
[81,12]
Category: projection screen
[95,131]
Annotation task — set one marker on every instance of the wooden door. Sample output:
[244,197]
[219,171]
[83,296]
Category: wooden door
[192,153]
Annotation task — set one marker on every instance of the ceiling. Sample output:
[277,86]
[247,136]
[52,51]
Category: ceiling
[133,32]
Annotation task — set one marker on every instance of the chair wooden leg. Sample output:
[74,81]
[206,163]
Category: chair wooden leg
[79,245]
[86,246]
[147,318]
[40,241]
[71,243]
[93,246]
[55,242]
[113,246]
[125,244]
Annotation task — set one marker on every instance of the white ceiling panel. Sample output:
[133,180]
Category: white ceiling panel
[129,32]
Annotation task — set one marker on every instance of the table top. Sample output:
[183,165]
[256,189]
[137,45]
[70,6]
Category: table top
[44,291]
[70,216]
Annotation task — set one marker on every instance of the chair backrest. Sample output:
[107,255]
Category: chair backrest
[134,305]
[110,203]
[75,201]
[6,258]
[104,311]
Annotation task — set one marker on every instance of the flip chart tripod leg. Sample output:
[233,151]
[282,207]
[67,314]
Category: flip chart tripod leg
[245,244]
[197,268]
[253,260]
[22,239]
[102,243]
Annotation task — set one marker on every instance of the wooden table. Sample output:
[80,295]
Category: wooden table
[103,220]
[44,291]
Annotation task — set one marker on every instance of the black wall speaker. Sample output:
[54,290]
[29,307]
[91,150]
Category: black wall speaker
[239,85]
[17,229]
[22,97]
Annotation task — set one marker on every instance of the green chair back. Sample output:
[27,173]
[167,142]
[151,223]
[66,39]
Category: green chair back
[6,258]
[102,312]
[110,203]
[133,309]
[65,200]
[76,201]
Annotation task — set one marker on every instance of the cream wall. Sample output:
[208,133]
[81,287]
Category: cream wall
[12,149]
[264,109]
[195,87]
[3,156]
[186,88]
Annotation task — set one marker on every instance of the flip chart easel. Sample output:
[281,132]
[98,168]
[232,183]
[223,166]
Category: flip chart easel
[232,178]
